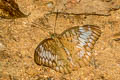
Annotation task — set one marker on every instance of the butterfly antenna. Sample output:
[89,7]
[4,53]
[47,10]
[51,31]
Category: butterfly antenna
[55,21]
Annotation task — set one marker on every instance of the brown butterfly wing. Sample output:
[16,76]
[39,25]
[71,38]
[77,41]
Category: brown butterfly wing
[79,42]
[51,54]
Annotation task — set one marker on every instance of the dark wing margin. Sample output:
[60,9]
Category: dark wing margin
[39,54]
[97,28]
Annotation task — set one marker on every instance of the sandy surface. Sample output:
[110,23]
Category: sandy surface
[20,37]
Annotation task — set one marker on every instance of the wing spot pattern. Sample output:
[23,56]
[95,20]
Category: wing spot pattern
[81,53]
[89,53]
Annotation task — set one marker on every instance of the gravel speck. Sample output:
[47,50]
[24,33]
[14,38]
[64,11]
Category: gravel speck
[2,46]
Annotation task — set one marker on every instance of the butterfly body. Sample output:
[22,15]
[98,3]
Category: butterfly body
[69,50]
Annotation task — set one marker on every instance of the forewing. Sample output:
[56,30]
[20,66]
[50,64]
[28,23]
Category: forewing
[79,42]
[51,54]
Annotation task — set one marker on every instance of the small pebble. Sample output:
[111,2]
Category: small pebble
[2,47]
[50,4]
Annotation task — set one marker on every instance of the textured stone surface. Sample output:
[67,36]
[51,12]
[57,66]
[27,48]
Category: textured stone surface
[21,37]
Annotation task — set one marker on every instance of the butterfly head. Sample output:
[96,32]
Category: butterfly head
[53,35]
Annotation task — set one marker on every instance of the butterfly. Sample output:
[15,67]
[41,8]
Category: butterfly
[69,50]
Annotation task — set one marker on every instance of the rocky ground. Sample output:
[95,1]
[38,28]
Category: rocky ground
[19,38]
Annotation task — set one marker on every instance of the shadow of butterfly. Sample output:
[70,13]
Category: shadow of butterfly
[116,37]
[69,50]
[10,10]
